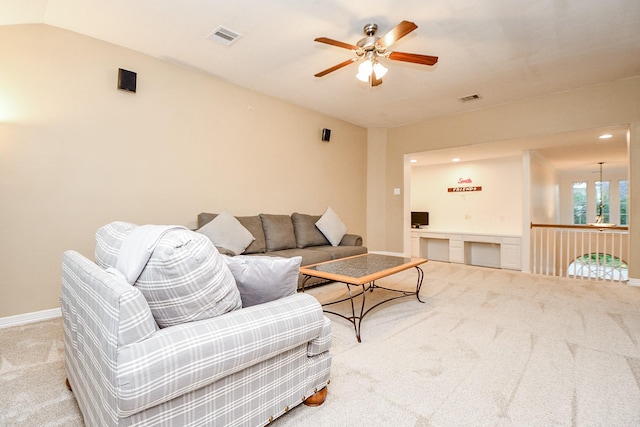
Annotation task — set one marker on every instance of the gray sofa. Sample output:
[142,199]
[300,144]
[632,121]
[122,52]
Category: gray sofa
[224,365]
[291,235]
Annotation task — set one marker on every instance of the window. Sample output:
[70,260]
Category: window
[579,202]
[623,193]
[602,200]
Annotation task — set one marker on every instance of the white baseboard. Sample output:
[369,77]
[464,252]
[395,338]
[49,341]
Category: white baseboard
[634,282]
[23,319]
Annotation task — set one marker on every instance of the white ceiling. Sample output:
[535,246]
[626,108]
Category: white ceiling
[503,50]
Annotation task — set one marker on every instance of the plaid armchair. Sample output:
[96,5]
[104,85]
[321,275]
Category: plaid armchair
[245,367]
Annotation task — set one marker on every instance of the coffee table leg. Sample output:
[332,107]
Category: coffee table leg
[419,283]
[304,281]
[357,320]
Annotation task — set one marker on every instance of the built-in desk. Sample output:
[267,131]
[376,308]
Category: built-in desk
[486,250]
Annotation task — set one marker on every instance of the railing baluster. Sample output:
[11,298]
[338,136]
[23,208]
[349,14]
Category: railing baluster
[590,252]
[613,264]
[561,272]
[547,251]
[621,260]
[553,253]
[575,250]
[534,261]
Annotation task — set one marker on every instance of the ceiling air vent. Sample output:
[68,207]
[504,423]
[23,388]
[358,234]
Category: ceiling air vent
[469,98]
[224,36]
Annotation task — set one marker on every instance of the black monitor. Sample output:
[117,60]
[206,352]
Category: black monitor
[419,218]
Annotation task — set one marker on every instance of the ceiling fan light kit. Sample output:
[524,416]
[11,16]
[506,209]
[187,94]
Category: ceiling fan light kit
[368,67]
[371,48]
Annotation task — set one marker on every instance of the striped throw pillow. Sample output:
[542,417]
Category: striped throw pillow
[186,279]
[109,240]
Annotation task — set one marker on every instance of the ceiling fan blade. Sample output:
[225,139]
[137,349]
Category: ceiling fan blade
[395,34]
[413,57]
[336,43]
[335,67]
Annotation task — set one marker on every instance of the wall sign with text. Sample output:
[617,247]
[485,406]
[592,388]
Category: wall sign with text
[464,188]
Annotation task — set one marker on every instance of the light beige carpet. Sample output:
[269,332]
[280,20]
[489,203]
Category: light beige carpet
[488,348]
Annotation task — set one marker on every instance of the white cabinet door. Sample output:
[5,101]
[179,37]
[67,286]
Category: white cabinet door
[415,247]
[456,249]
[510,257]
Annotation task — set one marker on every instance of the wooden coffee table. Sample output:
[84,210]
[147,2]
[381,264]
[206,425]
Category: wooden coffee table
[363,270]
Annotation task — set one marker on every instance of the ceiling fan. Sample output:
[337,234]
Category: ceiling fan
[371,48]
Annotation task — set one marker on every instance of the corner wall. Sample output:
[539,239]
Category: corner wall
[76,153]
[545,205]
[376,200]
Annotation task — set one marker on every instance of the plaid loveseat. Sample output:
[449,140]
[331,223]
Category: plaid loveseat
[245,367]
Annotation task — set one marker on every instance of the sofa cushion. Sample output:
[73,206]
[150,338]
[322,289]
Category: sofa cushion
[262,279]
[337,252]
[332,227]
[226,231]
[309,256]
[254,225]
[278,232]
[109,239]
[186,279]
[307,234]
[205,217]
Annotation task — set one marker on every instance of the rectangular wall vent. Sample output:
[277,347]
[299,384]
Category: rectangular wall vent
[469,98]
[224,36]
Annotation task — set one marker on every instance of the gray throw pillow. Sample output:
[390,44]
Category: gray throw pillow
[307,234]
[278,232]
[262,279]
[227,232]
[332,227]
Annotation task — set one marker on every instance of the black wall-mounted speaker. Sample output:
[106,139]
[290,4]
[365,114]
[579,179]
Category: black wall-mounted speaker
[326,134]
[126,80]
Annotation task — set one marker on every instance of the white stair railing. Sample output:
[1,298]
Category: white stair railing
[580,251]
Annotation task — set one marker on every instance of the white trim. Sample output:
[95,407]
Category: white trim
[23,319]
[634,282]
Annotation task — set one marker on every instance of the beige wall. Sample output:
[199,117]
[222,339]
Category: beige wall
[76,153]
[376,200]
[614,103]
[545,203]
[496,209]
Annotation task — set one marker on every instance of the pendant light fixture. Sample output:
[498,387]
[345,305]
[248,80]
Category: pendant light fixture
[600,217]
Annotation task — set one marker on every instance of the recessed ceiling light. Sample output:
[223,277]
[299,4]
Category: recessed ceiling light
[455,159]
[606,136]
[413,161]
